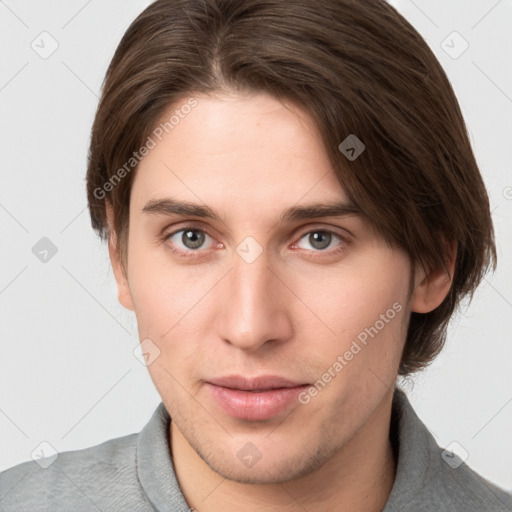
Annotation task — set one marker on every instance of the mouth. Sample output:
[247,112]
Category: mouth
[257,398]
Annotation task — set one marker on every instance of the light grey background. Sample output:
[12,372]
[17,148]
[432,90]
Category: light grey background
[68,375]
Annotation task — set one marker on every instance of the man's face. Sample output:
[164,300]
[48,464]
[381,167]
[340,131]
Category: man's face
[250,294]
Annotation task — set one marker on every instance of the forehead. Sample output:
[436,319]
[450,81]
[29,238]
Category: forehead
[238,150]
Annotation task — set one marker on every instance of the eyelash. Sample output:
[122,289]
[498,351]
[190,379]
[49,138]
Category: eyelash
[314,253]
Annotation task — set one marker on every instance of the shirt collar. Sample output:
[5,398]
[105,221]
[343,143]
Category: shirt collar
[155,467]
[415,446]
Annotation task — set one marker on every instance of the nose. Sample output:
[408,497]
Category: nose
[254,304]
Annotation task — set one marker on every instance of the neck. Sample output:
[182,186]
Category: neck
[358,477]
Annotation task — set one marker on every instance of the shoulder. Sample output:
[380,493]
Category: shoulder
[465,489]
[450,485]
[430,478]
[89,479]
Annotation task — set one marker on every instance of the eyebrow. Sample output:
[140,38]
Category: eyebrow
[170,206]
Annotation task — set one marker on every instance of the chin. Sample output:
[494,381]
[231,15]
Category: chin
[265,471]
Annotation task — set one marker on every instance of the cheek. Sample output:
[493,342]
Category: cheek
[168,298]
[365,303]
[167,307]
[374,303]
[349,298]
[156,291]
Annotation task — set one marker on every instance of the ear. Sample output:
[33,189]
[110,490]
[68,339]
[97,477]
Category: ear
[430,289]
[123,289]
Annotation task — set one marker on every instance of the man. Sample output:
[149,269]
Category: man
[293,212]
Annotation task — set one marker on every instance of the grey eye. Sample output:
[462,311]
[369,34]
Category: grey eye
[319,240]
[190,239]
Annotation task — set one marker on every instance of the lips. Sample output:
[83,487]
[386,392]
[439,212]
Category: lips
[255,398]
[261,383]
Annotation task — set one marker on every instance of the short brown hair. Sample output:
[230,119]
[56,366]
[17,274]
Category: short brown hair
[358,67]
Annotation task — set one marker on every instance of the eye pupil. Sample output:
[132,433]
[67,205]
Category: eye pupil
[320,239]
[192,239]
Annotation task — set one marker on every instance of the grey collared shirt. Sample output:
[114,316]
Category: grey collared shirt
[136,473]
